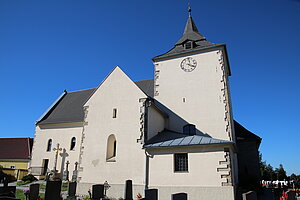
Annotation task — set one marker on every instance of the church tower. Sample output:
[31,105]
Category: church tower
[191,82]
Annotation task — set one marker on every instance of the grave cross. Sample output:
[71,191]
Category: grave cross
[57,149]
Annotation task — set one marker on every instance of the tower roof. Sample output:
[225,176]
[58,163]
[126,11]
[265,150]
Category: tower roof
[191,40]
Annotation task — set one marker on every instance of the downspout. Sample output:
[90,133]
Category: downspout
[146,170]
[146,105]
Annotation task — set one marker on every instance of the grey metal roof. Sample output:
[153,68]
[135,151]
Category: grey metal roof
[190,34]
[69,106]
[169,138]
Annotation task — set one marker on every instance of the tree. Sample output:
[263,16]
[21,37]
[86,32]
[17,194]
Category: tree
[280,173]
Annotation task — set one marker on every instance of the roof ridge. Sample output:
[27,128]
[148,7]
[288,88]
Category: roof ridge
[81,90]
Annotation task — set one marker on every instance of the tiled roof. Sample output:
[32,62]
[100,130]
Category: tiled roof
[15,148]
[169,138]
[69,108]
[241,133]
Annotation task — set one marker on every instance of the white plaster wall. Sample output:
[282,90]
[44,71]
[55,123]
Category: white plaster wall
[202,167]
[202,89]
[156,122]
[117,91]
[59,134]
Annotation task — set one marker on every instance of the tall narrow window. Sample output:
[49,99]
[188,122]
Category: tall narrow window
[49,145]
[111,151]
[181,162]
[73,144]
[114,113]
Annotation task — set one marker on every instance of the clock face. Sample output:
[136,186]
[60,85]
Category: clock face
[188,64]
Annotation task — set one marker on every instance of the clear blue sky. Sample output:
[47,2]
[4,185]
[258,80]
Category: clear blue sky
[48,46]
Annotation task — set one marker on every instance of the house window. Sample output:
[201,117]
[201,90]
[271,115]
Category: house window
[49,145]
[114,113]
[111,151]
[73,144]
[188,45]
[181,162]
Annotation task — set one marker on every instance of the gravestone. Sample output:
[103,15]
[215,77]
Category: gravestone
[128,190]
[72,189]
[251,195]
[8,191]
[179,196]
[53,189]
[34,190]
[151,194]
[98,191]
[291,195]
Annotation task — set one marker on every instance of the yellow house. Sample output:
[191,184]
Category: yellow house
[15,155]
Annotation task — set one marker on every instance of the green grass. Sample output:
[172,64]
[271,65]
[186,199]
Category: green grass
[20,194]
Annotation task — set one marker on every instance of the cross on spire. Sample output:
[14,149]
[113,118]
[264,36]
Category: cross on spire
[189,9]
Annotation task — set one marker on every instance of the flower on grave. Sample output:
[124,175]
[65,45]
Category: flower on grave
[26,192]
[138,196]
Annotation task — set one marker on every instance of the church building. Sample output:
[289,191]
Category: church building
[175,132]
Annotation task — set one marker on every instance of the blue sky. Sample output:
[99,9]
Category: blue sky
[48,46]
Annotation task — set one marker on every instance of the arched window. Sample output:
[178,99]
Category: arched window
[49,145]
[111,148]
[189,129]
[73,144]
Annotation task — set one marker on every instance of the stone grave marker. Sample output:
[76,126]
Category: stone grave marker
[151,194]
[128,190]
[72,189]
[251,195]
[291,195]
[34,190]
[8,191]
[98,192]
[53,189]
[179,196]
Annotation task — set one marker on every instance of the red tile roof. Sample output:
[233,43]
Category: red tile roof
[15,148]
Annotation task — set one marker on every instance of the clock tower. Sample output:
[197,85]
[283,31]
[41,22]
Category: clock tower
[191,83]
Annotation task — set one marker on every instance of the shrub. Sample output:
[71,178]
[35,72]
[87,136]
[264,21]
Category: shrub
[29,178]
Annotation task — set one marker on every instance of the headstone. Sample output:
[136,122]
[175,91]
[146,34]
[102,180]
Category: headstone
[151,194]
[8,191]
[251,195]
[72,189]
[34,190]
[98,191]
[291,195]
[75,173]
[53,189]
[128,190]
[179,196]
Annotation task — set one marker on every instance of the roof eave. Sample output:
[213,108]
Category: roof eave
[193,145]
[163,56]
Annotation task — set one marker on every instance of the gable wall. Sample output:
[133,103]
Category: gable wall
[117,91]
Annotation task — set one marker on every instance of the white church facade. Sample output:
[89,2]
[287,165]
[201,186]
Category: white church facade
[174,132]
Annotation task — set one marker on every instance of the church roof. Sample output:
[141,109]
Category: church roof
[68,108]
[190,34]
[168,138]
[241,133]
